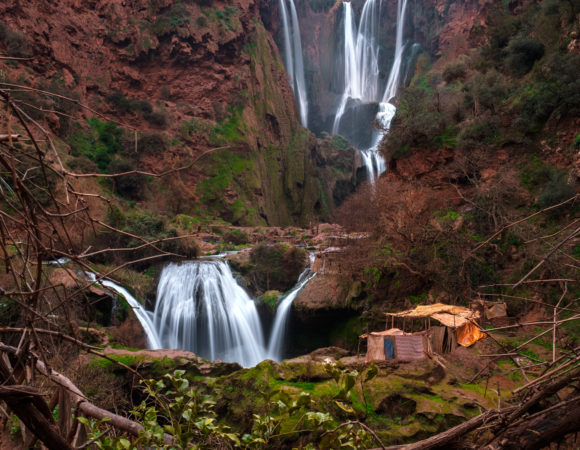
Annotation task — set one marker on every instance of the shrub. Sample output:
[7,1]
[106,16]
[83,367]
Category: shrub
[277,266]
[130,186]
[478,133]
[157,118]
[339,143]
[556,190]
[454,71]
[237,237]
[14,42]
[99,143]
[82,164]
[488,90]
[522,53]
[152,144]
[417,121]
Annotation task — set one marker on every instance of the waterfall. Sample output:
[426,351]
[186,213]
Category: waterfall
[361,57]
[276,345]
[361,75]
[144,317]
[293,59]
[393,82]
[201,308]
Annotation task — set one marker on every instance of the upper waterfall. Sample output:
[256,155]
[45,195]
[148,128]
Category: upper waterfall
[293,59]
[362,81]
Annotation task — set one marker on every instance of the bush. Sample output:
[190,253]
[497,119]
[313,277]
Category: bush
[556,191]
[488,90]
[478,133]
[152,144]
[237,237]
[157,118]
[99,143]
[416,123]
[130,186]
[454,71]
[277,266]
[14,42]
[82,164]
[522,53]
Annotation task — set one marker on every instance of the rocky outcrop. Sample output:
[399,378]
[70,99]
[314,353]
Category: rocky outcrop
[204,75]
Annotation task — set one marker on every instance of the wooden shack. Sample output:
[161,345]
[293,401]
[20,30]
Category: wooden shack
[424,330]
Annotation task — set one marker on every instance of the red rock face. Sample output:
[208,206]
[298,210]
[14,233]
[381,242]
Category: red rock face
[191,62]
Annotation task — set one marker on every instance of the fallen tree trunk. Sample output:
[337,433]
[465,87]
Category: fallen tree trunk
[543,428]
[31,409]
[78,399]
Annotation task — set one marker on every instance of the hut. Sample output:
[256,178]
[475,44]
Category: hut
[424,330]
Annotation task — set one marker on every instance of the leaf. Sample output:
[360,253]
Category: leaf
[234,438]
[124,443]
[346,408]
[304,400]
[371,373]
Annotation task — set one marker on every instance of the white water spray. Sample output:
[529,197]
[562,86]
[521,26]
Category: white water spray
[276,346]
[293,59]
[144,317]
[362,75]
[201,308]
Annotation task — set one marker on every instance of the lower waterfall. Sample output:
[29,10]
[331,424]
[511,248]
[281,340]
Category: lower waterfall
[201,308]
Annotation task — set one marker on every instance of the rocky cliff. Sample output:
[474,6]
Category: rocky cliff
[183,78]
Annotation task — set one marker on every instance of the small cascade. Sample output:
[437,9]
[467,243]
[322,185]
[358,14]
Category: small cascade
[362,80]
[145,317]
[293,59]
[201,308]
[276,346]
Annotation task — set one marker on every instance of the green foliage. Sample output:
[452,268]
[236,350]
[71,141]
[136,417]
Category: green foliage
[171,19]
[277,266]
[127,105]
[14,42]
[230,129]
[338,142]
[556,190]
[488,90]
[99,143]
[131,186]
[236,236]
[416,123]
[180,409]
[152,144]
[522,53]
[478,133]
[454,71]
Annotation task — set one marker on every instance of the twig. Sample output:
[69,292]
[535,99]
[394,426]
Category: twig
[360,424]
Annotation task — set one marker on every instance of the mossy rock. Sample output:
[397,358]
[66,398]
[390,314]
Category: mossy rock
[271,298]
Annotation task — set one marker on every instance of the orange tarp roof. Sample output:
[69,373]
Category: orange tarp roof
[448,315]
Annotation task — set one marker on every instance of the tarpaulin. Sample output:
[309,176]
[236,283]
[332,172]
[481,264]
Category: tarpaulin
[469,334]
[495,310]
[389,348]
[409,347]
[375,348]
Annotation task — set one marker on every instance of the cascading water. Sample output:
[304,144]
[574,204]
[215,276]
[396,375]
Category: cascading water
[293,59]
[144,317]
[201,308]
[362,59]
[276,346]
